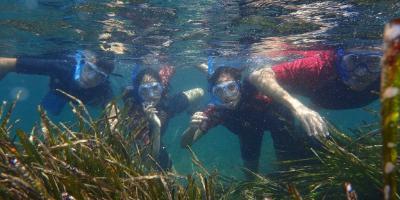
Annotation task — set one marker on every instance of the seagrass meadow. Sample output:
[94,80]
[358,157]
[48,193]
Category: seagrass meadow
[93,158]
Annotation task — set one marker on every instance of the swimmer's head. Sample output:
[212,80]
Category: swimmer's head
[147,86]
[225,87]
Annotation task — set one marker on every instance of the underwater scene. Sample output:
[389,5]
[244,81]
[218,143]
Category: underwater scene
[199,99]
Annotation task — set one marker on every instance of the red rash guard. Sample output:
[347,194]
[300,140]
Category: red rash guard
[306,74]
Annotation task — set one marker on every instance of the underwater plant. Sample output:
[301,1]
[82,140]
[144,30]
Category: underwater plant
[390,98]
[85,160]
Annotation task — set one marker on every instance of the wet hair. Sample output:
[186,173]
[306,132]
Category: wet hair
[234,72]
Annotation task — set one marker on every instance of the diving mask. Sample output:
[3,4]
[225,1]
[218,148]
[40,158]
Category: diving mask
[86,71]
[227,92]
[150,91]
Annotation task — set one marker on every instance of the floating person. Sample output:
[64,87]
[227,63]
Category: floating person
[148,96]
[244,110]
[332,79]
[82,75]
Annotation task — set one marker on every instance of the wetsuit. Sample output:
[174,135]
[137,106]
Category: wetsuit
[254,115]
[60,72]
[168,108]
[317,76]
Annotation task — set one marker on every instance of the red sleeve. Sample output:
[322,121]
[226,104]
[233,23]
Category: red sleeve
[166,73]
[213,120]
[308,72]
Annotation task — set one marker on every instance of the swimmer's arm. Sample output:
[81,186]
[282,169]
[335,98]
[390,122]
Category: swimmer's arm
[112,111]
[156,140]
[155,128]
[7,65]
[194,95]
[190,136]
[265,81]
[35,65]
[203,67]
[193,132]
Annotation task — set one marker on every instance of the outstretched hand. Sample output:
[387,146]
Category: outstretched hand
[197,119]
[312,122]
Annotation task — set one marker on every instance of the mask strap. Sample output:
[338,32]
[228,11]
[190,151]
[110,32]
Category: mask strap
[210,63]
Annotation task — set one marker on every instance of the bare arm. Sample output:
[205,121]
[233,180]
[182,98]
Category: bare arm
[190,136]
[203,68]
[193,132]
[156,136]
[265,81]
[7,65]
[155,123]
[194,95]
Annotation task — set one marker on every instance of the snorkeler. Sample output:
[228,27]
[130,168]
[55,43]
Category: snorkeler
[81,75]
[332,79]
[148,96]
[248,113]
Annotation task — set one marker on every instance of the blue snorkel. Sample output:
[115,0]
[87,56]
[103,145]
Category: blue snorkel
[79,65]
[340,66]
[210,70]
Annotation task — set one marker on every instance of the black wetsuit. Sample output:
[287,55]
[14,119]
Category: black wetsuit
[61,72]
[254,115]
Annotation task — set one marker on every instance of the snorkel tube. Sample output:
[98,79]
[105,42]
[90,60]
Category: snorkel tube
[210,70]
[340,65]
[79,65]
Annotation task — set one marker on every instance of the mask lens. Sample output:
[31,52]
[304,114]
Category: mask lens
[150,90]
[226,90]
[373,64]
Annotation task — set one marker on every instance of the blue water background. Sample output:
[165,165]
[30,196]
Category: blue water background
[184,32]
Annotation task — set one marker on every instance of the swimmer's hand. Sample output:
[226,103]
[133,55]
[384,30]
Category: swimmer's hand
[311,121]
[197,119]
[193,132]
[151,114]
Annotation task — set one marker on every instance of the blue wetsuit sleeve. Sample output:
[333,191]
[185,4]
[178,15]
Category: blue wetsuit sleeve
[47,67]
[54,102]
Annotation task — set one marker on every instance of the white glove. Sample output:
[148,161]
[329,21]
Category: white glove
[197,118]
[151,114]
[311,121]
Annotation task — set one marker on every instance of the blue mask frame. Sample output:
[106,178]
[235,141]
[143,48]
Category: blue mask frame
[341,68]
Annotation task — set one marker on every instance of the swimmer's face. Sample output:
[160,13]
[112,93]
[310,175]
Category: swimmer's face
[150,90]
[363,70]
[227,90]
[91,76]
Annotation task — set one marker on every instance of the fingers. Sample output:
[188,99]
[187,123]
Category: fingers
[197,118]
[150,109]
[313,124]
[317,125]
